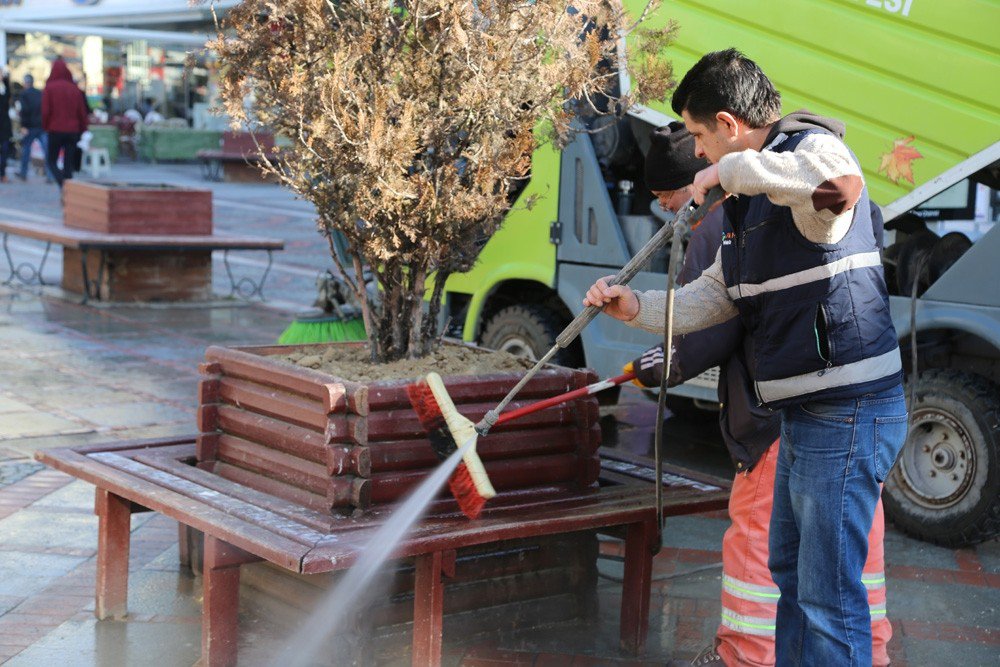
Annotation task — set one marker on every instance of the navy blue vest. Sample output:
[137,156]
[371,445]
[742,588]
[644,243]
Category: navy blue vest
[817,314]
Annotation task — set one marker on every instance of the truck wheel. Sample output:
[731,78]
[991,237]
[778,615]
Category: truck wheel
[527,331]
[945,486]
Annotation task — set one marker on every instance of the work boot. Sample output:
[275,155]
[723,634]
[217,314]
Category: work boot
[707,658]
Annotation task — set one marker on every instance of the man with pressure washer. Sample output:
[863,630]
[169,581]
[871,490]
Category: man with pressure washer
[745,635]
[799,265]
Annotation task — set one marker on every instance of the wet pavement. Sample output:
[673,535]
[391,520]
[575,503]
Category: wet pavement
[73,374]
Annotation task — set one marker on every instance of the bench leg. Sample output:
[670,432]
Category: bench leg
[428,610]
[635,589]
[220,610]
[114,523]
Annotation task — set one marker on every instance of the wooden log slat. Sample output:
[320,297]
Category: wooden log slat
[279,465]
[588,471]
[416,453]
[348,460]
[347,492]
[504,474]
[208,390]
[207,446]
[273,403]
[272,487]
[447,507]
[170,502]
[207,417]
[336,396]
[483,388]
[302,442]
[402,424]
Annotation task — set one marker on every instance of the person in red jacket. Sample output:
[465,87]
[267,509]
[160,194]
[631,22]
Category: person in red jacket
[64,117]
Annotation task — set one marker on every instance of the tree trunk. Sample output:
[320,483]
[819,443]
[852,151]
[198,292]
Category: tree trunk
[416,345]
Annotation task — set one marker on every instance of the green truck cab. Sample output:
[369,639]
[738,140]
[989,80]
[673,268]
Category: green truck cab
[915,81]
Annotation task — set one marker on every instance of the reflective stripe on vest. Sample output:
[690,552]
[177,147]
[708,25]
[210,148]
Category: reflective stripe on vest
[865,370]
[750,625]
[877,611]
[873,580]
[748,591]
[860,260]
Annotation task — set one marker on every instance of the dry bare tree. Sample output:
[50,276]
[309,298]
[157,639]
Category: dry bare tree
[413,121]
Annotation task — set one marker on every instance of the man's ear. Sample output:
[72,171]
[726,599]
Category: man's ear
[730,124]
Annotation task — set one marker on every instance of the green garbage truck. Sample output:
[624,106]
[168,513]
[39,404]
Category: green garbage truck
[916,83]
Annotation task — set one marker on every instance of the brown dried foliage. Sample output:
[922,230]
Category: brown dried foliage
[411,122]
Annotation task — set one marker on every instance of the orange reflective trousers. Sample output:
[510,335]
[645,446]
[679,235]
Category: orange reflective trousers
[749,596]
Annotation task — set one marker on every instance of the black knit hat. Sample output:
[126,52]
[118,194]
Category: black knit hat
[670,161]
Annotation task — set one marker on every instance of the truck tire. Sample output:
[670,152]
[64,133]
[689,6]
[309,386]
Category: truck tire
[945,486]
[528,330]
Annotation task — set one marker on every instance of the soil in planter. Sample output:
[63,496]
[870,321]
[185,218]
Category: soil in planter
[353,363]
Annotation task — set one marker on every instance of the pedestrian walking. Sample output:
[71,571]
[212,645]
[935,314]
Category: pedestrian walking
[800,266]
[6,131]
[31,126]
[745,636]
[64,118]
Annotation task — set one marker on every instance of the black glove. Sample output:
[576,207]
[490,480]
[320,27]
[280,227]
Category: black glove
[648,368]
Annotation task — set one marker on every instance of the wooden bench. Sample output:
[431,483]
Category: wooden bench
[238,158]
[243,525]
[136,267]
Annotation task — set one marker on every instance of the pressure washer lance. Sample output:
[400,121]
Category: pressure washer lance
[685,220]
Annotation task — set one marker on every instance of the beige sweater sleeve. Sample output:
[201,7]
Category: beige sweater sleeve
[819,181]
[702,303]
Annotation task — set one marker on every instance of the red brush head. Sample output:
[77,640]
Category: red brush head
[461,483]
[429,413]
[464,489]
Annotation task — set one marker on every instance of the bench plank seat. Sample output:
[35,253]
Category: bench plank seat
[242,525]
[81,239]
[135,267]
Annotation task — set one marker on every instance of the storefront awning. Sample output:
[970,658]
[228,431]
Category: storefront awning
[156,36]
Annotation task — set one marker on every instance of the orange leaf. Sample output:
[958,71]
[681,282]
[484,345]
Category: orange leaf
[897,163]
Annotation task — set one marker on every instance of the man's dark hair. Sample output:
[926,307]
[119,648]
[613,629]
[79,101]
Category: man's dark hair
[727,81]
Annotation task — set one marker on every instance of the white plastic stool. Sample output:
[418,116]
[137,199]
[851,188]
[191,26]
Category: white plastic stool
[96,160]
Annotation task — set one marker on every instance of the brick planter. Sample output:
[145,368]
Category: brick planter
[129,208]
[339,446]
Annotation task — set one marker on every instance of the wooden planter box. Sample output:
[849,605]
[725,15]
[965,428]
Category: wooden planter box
[339,446]
[129,208]
[129,275]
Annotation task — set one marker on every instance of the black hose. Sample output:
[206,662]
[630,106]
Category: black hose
[914,372]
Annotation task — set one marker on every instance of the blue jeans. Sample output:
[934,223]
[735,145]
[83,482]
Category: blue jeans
[34,134]
[834,457]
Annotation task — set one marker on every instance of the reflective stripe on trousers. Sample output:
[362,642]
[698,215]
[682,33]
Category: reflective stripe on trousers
[749,596]
[768,595]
